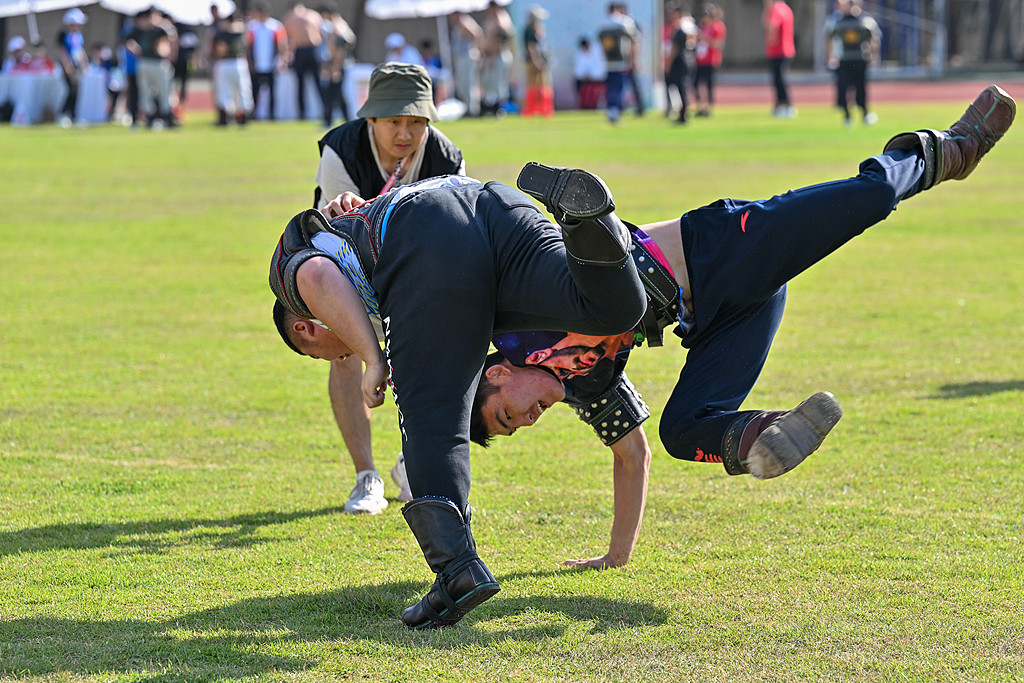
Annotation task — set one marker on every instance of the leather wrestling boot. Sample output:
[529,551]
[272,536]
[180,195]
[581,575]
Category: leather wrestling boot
[769,444]
[463,580]
[570,194]
[954,153]
[582,206]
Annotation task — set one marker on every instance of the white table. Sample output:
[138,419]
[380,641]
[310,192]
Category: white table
[35,95]
[91,106]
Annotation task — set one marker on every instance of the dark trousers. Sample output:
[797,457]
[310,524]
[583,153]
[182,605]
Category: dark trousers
[454,268]
[852,74]
[333,94]
[615,84]
[675,79]
[780,81]
[71,102]
[704,75]
[258,81]
[740,255]
[132,95]
[306,63]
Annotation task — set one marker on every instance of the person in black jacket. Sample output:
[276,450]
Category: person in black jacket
[392,144]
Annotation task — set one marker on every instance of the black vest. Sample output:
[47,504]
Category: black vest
[351,142]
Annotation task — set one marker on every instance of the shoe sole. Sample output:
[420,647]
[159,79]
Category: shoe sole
[567,193]
[467,604]
[794,436]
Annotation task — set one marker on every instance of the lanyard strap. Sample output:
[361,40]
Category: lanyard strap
[394,177]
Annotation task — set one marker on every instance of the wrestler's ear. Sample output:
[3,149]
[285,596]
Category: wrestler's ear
[497,372]
[303,329]
[538,357]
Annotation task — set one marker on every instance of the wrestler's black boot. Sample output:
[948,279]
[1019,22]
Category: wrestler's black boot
[952,154]
[769,444]
[463,580]
[582,205]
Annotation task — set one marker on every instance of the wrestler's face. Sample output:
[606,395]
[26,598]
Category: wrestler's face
[398,136]
[318,342]
[522,397]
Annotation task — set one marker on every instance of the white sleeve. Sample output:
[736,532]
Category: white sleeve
[333,178]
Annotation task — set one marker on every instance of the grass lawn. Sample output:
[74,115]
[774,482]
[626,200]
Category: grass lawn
[171,479]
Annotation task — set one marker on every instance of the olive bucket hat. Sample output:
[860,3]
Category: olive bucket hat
[399,90]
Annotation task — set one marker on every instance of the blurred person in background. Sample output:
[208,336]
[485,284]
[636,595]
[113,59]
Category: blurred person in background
[708,55]
[589,73]
[496,59]
[854,41]
[539,98]
[302,26]
[74,60]
[339,41]
[466,36]
[151,43]
[618,36]
[779,48]
[267,43]
[681,33]
[234,99]
[399,50]
[16,56]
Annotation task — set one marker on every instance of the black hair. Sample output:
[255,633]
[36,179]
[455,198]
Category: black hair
[283,319]
[478,432]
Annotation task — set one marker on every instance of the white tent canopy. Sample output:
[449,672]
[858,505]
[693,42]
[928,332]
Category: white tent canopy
[17,8]
[191,12]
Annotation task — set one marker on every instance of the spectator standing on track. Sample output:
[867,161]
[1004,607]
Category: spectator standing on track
[708,55]
[466,36]
[302,26]
[854,41]
[680,40]
[540,98]
[267,43]
[780,49]
[618,37]
[496,59]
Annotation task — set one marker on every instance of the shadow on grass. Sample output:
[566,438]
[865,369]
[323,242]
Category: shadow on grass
[247,639]
[969,389]
[151,536]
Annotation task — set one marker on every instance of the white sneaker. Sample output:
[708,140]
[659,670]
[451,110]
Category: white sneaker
[368,495]
[401,480]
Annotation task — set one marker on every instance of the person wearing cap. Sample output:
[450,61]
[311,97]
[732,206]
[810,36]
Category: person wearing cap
[74,59]
[399,50]
[16,55]
[392,144]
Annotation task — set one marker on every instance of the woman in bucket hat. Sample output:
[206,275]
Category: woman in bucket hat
[392,143]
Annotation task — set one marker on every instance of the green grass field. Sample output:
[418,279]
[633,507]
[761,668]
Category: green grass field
[171,479]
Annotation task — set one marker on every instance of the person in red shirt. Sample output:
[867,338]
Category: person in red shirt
[779,48]
[708,55]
